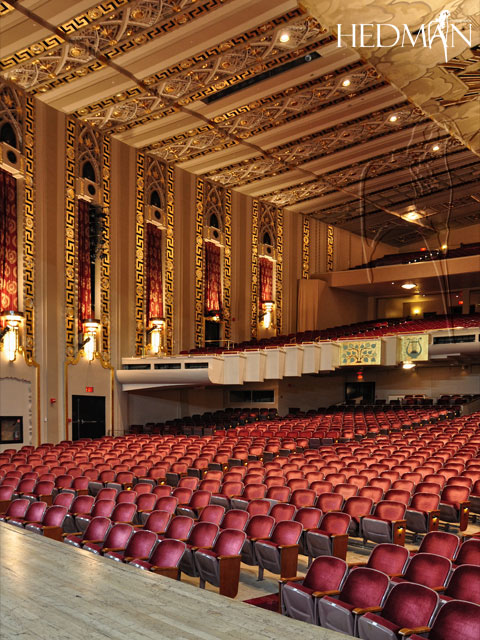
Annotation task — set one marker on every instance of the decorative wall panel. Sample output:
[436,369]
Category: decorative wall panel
[199,205]
[413,348]
[360,352]
[70,275]
[330,248]
[139,257]
[29,234]
[169,264]
[254,286]
[105,265]
[306,247]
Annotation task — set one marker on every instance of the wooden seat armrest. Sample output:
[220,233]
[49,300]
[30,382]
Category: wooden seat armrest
[338,535]
[320,594]
[227,557]
[404,633]
[359,611]
[130,558]
[141,526]
[261,538]
[201,548]
[402,523]
[115,549]
[77,533]
[396,575]
[351,565]
[438,589]
[296,579]
[288,546]
[92,541]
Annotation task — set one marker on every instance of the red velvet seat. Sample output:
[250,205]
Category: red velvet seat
[212,513]
[363,588]
[440,543]
[422,514]
[259,527]
[427,569]
[34,513]
[469,553]
[387,523]
[464,584]
[331,538]
[279,554]
[220,566]
[454,505]
[202,536]
[116,539]
[408,606]
[52,523]
[95,533]
[388,558]
[165,558]
[456,620]
[298,595]
[139,547]
[234,519]
[179,528]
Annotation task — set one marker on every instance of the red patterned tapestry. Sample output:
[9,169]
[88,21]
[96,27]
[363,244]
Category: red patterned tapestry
[8,242]
[154,273]
[213,279]
[266,280]
[84,265]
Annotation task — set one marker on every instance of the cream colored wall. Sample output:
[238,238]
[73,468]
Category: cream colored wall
[321,306]
[452,237]
[350,249]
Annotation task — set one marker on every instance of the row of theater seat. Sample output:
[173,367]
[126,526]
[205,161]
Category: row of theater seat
[364,603]
[370,328]
[325,596]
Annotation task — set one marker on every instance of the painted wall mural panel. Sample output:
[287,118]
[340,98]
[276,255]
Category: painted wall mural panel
[413,348]
[360,352]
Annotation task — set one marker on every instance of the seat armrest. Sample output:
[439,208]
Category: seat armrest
[404,633]
[296,579]
[351,565]
[359,611]
[438,589]
[77,533]
[261,538]
[227,557]
[92,541]
[115,549]
[396,575]
[288,546]
[130,558]
[320,594]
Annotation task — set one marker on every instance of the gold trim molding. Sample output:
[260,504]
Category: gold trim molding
[140,258]
[306,247]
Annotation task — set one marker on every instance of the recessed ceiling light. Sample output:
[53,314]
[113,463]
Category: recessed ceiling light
[284,36]
[436,147]
[409,285]
[408,365]
[393,118]
[346,83]
[412,215]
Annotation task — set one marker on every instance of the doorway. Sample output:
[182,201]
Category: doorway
[88,417]
[212,333]
[360,392]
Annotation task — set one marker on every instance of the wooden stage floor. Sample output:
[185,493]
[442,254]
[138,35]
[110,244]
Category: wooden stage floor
[52,591]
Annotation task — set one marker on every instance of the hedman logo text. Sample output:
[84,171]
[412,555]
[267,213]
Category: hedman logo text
[389,35]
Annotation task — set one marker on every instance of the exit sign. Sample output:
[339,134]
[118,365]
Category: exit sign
[89,389]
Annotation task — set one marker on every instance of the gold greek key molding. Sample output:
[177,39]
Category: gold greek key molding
[254,291]
[29,232]
[169,263]
[199,305]
[70,208]
[330,247]
[105,265]
[279,272]
[139,257]
[227,264]
[306,247]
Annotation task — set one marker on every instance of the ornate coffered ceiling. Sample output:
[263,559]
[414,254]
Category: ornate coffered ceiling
[258,97]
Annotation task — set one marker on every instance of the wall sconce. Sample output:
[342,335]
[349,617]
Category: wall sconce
[9,334]
[408,365]
[89,342]
[157,338]
[266,317]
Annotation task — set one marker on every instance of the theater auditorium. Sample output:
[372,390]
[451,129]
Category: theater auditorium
[239,319]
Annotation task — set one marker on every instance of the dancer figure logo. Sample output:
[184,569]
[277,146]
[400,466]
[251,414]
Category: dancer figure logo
[379,34]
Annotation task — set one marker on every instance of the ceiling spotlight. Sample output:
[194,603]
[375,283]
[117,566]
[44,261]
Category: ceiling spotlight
[408,365]
[409,285]
[436,147]
[346,83]
[412,215]
[393,118]
[284,36]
